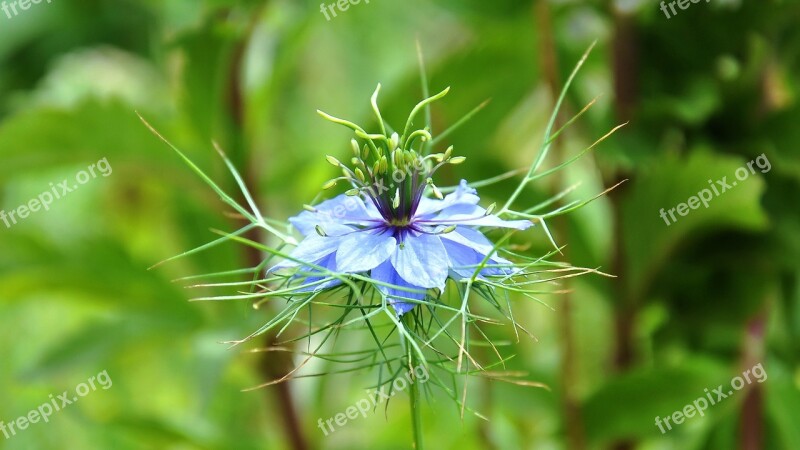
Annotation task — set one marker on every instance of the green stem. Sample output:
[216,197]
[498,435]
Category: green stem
[416,409]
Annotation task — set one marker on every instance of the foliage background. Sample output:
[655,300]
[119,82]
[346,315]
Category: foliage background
[693,304]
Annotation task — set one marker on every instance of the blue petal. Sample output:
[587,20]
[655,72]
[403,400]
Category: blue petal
[463,195]
[476,218]
[343,209]
[422,260]
[464,261]
[473,239]
[328,262]
[364,250]
[312,249]
[385,273]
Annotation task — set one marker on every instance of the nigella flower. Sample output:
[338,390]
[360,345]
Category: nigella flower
[405,241]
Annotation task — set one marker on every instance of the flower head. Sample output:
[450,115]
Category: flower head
[386,225]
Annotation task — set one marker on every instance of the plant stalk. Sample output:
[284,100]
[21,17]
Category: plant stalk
[416,408]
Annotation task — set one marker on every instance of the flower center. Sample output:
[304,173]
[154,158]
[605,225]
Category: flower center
[400,223]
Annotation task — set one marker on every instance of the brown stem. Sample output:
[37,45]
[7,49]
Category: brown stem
[751,426]
[573,417]
[273,365]
[625,63]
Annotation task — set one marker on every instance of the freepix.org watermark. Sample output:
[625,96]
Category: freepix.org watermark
[715,396]
[10,7]
[719,187]
[417,374]
[56,404]
[341,5]
[682,4]
[56,192]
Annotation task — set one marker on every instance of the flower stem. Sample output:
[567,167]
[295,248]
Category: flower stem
[416,409]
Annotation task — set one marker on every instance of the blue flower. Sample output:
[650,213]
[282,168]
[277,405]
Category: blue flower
[408,243]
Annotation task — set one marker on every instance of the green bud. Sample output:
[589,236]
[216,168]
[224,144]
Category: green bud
[354,161]
[397,158]
[409,157]
[394,141]
[333,160]
[352,192]
[365,153]
[437,192]
[376,168]
[449,229]
[310,208]
[354,144]
[448,152]
[329,184]
[491,208]
[384,165]
[458,160]
[360,175]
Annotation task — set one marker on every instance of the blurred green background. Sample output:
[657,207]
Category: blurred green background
[693,304]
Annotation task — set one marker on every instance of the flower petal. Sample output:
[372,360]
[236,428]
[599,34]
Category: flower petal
[422,260]
[343,209]
[386,273]
[364,250]
[478,220]
[311,250]
[328,262]
[464,261]
[463,195]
